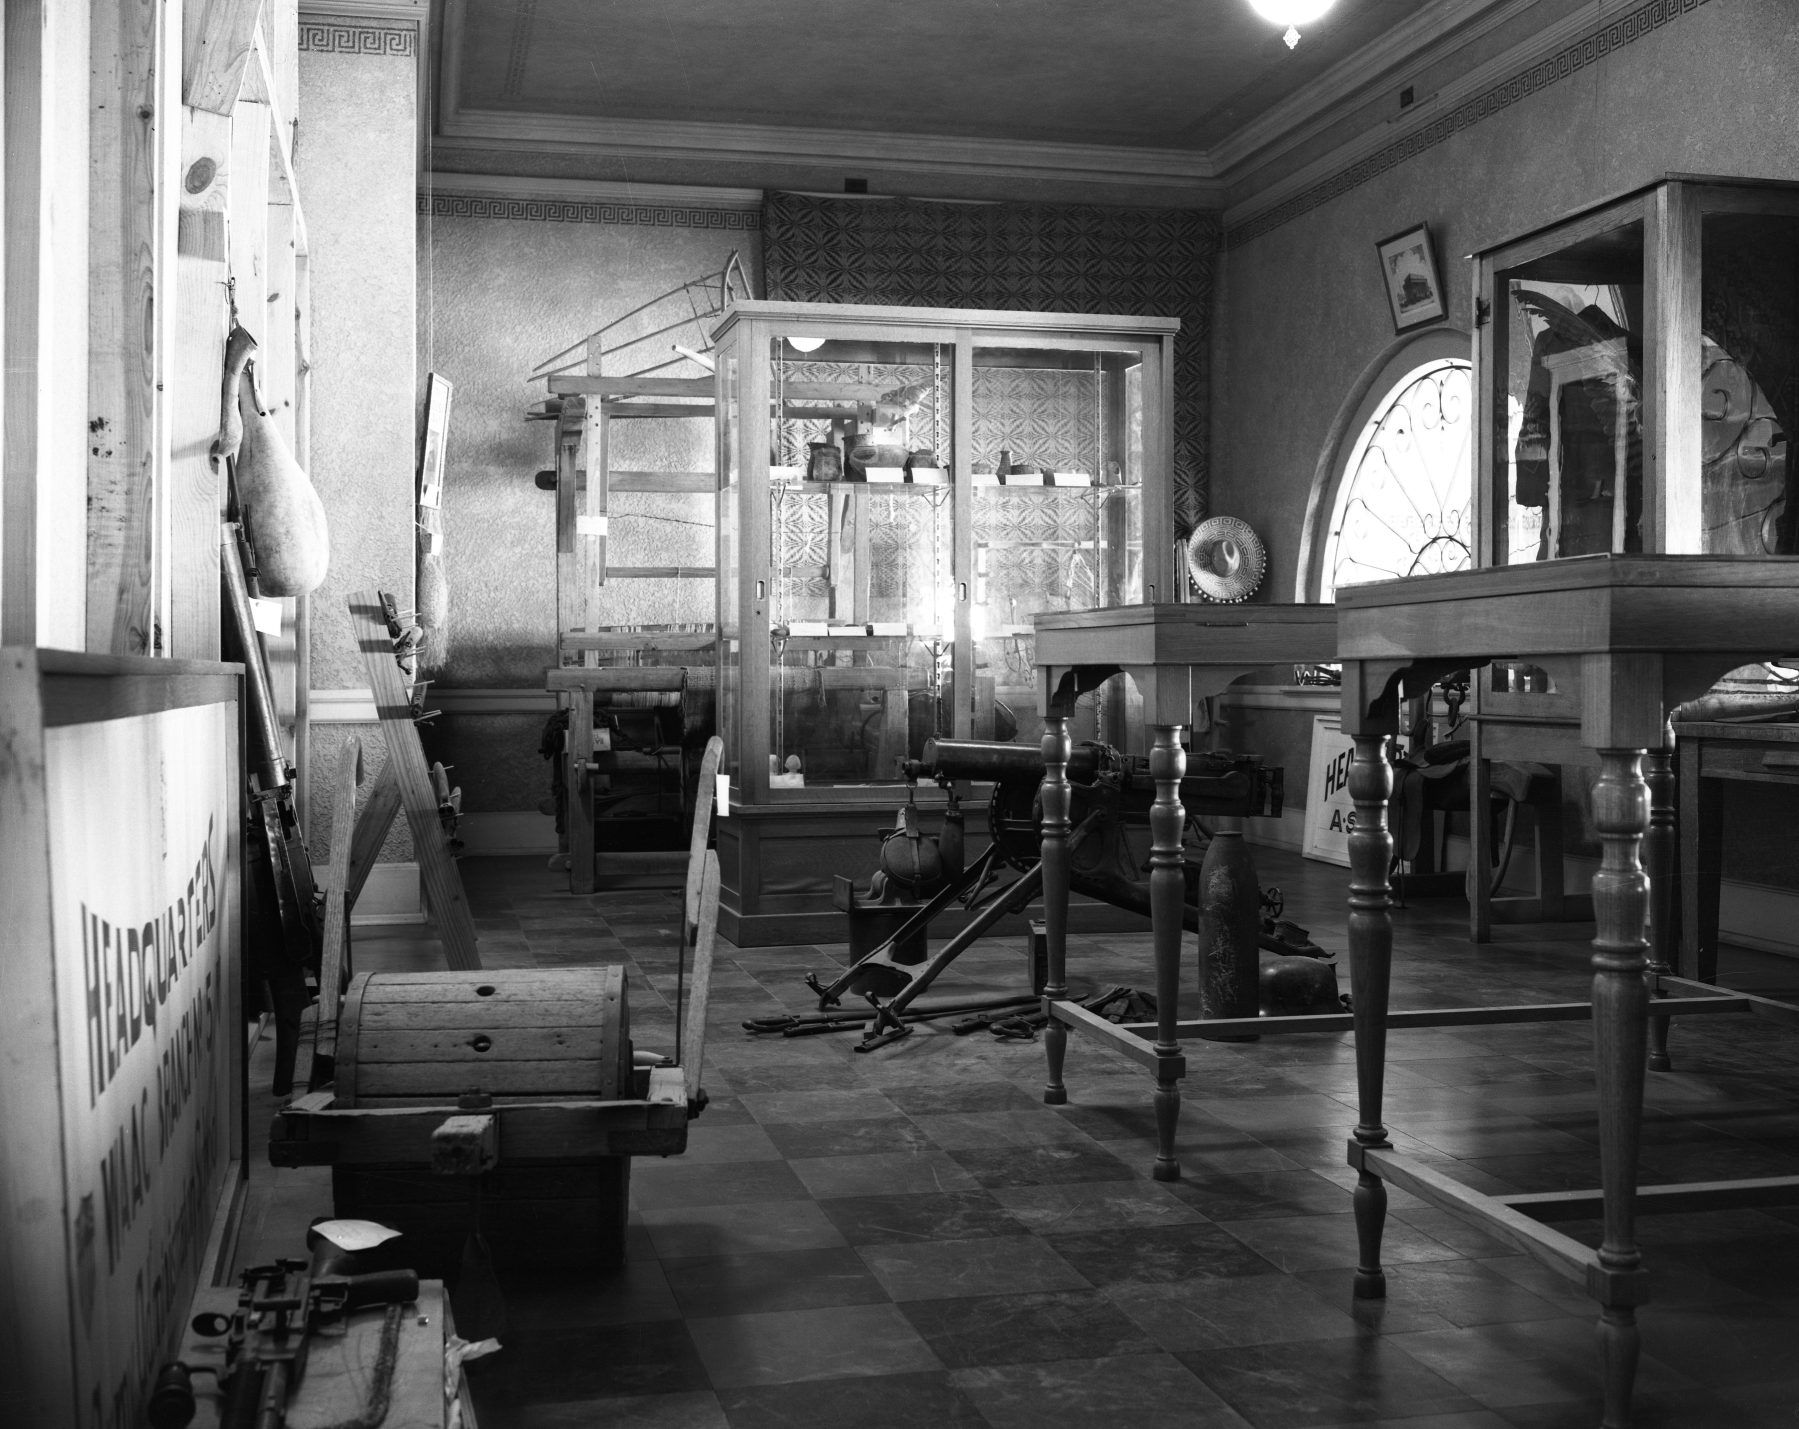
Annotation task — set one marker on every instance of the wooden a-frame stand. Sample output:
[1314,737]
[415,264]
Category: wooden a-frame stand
[405,781]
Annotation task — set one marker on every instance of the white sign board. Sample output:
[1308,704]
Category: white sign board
[143,831]
[1330,812]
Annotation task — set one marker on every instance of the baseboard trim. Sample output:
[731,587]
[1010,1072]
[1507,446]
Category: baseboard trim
[1750,915]
[391,895]
[503,835]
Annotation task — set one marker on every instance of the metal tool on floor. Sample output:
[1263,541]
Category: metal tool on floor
[808,1024]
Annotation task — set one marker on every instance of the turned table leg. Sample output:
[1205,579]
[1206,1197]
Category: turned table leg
[1620,1034]
[1370,971]
[1660,855]
[1054,853]
[1167,900]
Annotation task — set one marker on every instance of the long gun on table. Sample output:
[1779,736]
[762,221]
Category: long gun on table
[280,1308]
[1110,792]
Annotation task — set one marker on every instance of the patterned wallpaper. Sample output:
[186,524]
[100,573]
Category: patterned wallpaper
[1031,257]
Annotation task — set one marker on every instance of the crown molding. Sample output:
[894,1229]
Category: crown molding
[1298,118]
[415,10]
[492,131]
[1510,64]
[554,190]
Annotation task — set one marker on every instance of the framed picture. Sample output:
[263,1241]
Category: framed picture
[1408,267]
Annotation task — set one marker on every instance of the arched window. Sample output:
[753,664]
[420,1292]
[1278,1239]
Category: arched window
[1405,504]
[1393,491]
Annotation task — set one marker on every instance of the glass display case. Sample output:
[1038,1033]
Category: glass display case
[901,490]
[1639,374]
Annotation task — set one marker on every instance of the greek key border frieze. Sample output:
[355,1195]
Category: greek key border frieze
[328,36]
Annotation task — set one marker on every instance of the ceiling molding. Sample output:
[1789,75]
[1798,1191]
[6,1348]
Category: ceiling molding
[1296,119]
[418,11]
[1451,109]
[683,140]
[595,191]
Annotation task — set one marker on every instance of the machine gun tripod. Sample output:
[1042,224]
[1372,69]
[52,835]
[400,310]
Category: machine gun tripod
[1111,791]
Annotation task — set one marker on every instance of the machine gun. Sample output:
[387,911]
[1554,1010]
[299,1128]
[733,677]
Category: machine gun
[1111,792]
[279,1309]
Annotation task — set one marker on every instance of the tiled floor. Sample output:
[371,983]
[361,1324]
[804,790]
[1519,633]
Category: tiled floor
[910,1237]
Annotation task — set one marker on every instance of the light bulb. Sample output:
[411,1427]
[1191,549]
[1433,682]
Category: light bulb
[1291,12]
[805,344]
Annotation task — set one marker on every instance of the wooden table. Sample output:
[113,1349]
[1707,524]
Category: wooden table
[1177,655]
[1708,753]
[1633,635]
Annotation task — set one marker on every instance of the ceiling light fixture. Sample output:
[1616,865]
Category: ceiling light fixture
[806,344]
[1291,13]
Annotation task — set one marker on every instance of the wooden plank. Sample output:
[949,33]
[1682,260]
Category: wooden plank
[393,1015]
[664,410]
[1235,1027]
[372,824]
[1672,454]
[284,184]
[35,1299]
[446,900]
[590,546]
[280,31]
[335,963]
[619,678]
[1785,1013]
[668,483]
[577,785]
[662,573]
[705,801]
[571,594]
[562,1077]
[527,1131]
[661,641]
[122,550]
[526,1042]
[1748,1194]
[216,48]
[1562,1254]
[692,1051]
[196,482]
[276,369]
[1126,1038]
[43,582]
[631,386]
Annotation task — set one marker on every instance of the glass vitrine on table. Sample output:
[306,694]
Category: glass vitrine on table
[901,490]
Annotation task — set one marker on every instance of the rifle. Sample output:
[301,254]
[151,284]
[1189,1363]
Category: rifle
[279,1308]
[274,822]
